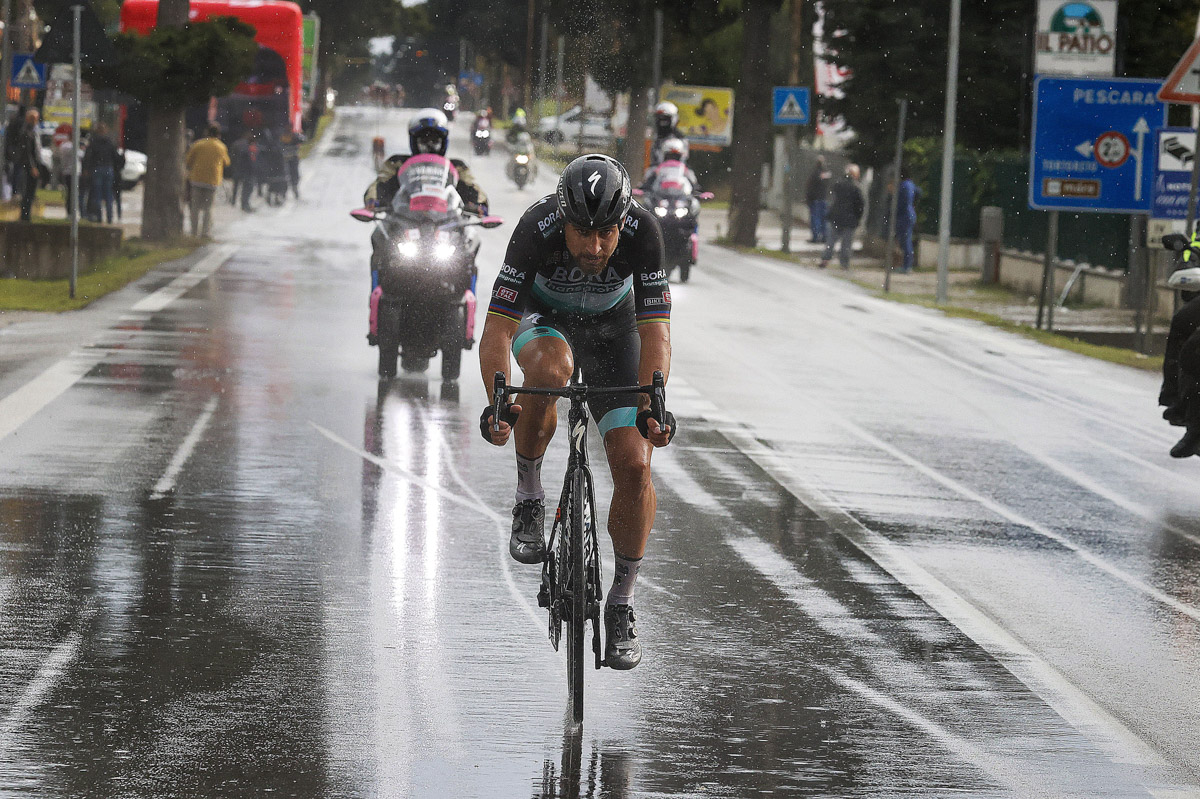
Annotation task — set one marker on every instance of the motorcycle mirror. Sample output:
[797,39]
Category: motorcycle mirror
[707,195]
[1175,241]
[638,193]
[491,222]
[363,214]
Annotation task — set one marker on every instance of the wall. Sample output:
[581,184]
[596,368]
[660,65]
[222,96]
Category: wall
[39,251]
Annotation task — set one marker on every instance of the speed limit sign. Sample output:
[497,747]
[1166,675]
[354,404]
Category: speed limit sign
[1112,149]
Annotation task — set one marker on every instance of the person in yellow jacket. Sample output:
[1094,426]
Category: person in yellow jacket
[206,162]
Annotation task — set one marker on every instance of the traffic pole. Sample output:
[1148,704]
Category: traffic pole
[1046,297]
[948,154]
[891,236]
[75,57]
[6,70]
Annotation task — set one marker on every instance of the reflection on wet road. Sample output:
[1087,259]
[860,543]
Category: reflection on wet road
[895,555]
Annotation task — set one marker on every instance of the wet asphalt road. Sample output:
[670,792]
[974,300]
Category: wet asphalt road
[895,554]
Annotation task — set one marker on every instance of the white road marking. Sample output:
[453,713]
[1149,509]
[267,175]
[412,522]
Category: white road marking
[24,403]
[181,285]
[166,483]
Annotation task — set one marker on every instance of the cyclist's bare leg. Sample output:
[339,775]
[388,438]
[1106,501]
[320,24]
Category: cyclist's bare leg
[547,363]
[631,514]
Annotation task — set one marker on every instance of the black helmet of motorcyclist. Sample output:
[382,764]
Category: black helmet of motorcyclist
[666,117]
[594,192]
[675,149]
[429,132]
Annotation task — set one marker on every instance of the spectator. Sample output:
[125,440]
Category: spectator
[206,162]
[291,155]
[12,130]
[117,187]
[906,217]
[816,193]
[845,212]
[63,162]
[243,171]
[100,167]
[27,162]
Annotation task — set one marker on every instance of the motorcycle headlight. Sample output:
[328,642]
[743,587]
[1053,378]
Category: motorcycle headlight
[408,249]
[658,209]
[481,134]
[443,251]
[522,159]
[681,212]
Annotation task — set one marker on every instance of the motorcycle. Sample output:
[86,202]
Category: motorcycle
[423,270]
[522,167]
[450,106]
[675,203]
[482,138]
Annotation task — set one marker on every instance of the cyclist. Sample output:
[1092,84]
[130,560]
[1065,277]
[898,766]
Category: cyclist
[583,283]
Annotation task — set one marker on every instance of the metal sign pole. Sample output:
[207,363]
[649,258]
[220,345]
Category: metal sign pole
[1191,207]
[1045,298]
[948,154]
[78,12]
[6,68]
[891,236]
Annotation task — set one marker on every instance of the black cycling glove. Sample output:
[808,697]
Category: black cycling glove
[507,416]
[644,428]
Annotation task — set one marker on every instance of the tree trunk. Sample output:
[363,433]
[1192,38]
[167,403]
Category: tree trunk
[162,215]
[752,122]
[634,153]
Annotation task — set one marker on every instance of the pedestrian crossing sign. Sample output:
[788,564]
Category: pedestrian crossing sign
[27,73]
[791,105]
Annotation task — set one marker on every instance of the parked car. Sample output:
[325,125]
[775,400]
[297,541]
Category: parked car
[131,175]
[597,128]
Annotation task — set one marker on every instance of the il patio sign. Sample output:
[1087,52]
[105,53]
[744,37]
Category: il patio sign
[1076,37]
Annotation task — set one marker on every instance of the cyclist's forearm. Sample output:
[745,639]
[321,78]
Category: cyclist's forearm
[494,346]
[655,354]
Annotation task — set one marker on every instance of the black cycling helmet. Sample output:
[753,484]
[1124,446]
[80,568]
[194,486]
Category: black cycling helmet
[594,192]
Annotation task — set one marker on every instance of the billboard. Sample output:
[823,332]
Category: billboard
[1076,37]
[705,112]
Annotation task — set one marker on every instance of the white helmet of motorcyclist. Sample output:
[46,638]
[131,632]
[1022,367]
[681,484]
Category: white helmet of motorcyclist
[429,132]
[675,149]
[666,115]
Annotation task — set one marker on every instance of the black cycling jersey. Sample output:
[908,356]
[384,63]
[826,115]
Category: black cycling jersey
[539,274]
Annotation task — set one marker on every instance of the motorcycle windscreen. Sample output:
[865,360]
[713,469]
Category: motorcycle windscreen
[427,187]
[672,179]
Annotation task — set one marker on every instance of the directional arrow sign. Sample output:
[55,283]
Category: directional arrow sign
[1089,144]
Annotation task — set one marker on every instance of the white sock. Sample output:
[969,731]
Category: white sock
[625,573]
[529,478]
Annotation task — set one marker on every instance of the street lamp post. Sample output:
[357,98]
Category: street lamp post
[948,154]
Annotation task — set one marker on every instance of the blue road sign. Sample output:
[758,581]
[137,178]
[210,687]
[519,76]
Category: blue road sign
[1090,144]
[791,106]
[27,73]
[1172,172]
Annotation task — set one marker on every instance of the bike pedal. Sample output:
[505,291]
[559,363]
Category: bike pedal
[543,597]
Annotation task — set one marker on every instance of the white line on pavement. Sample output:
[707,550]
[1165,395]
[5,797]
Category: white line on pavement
[166,483]
[187,281]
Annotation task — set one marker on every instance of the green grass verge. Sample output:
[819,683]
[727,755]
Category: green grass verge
[135,259]
[987,293]
[322,125]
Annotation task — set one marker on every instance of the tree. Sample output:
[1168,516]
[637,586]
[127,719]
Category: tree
[751,120]
[176,66]
[898,50]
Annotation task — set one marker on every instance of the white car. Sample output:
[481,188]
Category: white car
[131,175]
[596,128]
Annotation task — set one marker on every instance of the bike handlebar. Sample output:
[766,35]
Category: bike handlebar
[657,391]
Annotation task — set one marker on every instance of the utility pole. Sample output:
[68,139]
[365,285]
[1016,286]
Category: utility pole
[895,210]
[948,154]
[656,71]
[6,70]
[541,95]
[526,96]
[791,139]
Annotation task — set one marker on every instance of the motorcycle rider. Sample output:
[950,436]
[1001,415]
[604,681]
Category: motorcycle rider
[673,149]
[666,120]
[1181,369]
[519,125]
[428,134]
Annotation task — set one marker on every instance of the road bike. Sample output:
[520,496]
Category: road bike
[571,584]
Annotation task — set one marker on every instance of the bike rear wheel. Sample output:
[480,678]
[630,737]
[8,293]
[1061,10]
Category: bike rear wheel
[576,573]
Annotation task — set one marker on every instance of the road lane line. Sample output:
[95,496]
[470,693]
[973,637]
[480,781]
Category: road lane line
[475,503]
[187,281]
[24,403]
[166,483]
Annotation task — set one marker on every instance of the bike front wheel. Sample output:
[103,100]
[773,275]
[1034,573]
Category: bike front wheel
[576,573]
